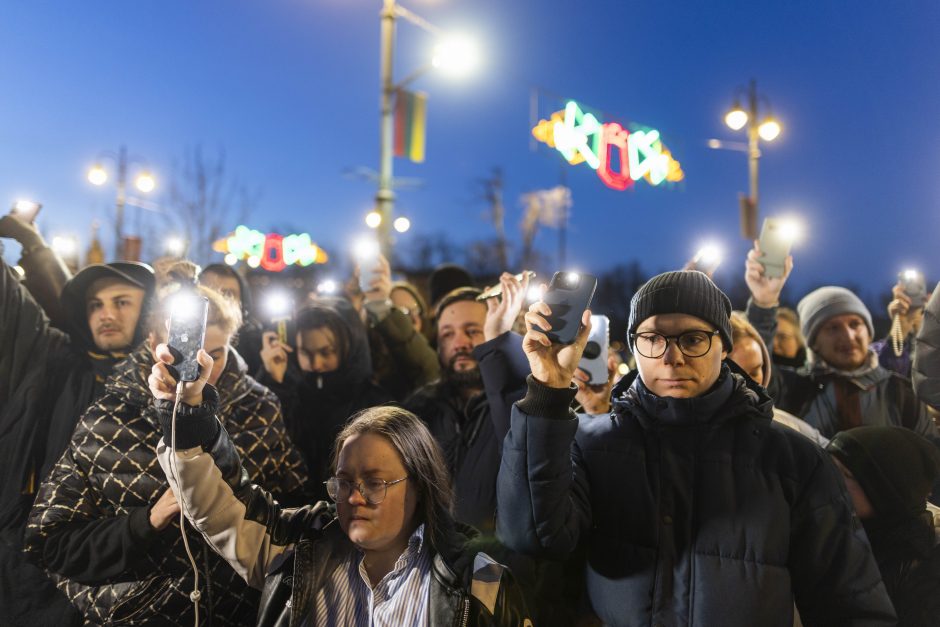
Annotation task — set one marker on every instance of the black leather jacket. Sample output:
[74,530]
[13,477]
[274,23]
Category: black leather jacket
[290,552]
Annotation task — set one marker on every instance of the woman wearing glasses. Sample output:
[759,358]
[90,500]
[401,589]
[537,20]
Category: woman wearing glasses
[693,507]
[388,553]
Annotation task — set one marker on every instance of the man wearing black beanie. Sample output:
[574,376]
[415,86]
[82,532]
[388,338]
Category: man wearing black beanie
[888,472]
[693,507]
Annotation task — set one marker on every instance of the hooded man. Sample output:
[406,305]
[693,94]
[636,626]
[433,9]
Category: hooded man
[48,377]
[225,280]
[693,506]
[888,472]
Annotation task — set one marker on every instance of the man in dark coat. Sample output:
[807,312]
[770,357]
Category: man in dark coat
[694,508]
[467,410]
[842,385]
[888,472]
[47,379]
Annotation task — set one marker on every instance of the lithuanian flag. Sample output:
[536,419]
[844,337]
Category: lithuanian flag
[410,124]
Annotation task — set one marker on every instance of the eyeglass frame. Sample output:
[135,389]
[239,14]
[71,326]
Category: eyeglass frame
[359,489]
[710,334]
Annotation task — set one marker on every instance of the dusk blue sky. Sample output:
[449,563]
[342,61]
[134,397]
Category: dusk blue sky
[289,88]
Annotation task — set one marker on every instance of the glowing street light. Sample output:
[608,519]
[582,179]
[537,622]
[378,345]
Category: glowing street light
[373,219]
[456,55]
[328,286]
[769,129]
[736,118]
[97,175]
[144,182]
[65,245]
[402,224]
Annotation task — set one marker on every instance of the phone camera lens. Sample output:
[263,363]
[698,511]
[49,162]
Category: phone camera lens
[592,350]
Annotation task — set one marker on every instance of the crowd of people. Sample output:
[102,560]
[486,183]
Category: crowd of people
[395,456]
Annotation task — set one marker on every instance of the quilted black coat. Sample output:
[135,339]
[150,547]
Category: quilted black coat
[90,523]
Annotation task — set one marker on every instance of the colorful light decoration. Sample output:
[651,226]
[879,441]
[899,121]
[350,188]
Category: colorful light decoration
[273,252]
[581,138]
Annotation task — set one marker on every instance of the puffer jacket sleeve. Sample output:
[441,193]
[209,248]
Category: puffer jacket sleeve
[925,372]
[836,581]
[244,524]
[68,535]
[542,490]
[46,275]
[504,368]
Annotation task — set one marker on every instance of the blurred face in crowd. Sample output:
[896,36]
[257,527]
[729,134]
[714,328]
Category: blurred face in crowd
[216,344]
[387,525]
[786,342]
[403,300]
[863,506]
[459,331]
[227,286]
[674,374]
[113,308]
[317,350]
[842,342]
[748,355]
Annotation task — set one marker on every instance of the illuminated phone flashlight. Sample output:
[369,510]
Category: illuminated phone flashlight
[911,275]
[572,279]
[366,249]
[708,258]
[278,305]
[26,206]
[791,231]
[184,305]
[534,294]
[328,286]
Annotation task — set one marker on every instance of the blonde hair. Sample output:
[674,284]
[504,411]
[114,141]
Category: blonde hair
[742,329]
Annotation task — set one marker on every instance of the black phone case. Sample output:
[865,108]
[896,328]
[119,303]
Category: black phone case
[567,306]
[185,339]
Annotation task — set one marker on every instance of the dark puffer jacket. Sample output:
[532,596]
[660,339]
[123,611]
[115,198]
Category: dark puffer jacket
[694,511]
[291,553]
[90,523]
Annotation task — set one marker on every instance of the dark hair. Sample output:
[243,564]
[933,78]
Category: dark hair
[455,296]
[422,458]
[317,316]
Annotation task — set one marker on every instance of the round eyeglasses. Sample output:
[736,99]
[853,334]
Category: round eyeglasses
[372,490]
[691,343]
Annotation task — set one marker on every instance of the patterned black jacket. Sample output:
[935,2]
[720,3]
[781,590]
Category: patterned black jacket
[90,524]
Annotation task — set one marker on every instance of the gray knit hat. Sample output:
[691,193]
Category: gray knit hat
[827,302]
[682,292]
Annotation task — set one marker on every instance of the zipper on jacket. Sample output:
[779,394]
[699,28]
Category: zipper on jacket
[466,612]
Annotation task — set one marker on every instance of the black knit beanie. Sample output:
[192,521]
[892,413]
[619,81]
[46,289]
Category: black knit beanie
[896,467]
[683,292]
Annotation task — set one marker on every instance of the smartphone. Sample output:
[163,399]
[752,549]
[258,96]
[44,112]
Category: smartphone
[568,295]
[914,286]
[25,210]
[497,289]
[367,253]
[775,247]
[187,333]
[594,359]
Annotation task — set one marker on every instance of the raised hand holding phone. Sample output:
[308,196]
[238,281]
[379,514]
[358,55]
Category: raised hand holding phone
[163,384]
[551,363]
[765,289]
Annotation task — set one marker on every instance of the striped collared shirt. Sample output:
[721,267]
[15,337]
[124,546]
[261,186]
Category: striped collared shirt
[399,599]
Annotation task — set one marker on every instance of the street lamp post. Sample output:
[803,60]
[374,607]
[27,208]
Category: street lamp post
[767,129]
[99,176]
[457,56]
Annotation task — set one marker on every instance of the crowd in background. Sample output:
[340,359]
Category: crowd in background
[396,456]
